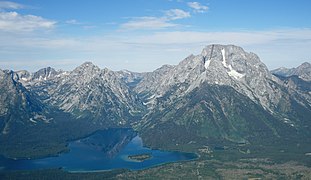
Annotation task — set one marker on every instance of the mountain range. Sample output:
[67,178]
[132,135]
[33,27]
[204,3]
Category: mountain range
[222,96]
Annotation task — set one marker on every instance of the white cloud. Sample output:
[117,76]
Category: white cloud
[11,21]
[153,23]
[174,14]
[14,22]
[197,7]
[10,5]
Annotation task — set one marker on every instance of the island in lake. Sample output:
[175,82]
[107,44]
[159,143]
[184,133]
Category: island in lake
[140,157]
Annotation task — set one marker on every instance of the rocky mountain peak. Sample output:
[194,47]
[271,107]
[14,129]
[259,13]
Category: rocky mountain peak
[305,65]
[44,74]
[208,51]
[234,60]
[227,65]
[9,75]
[227,72]
[23,75]
[16,100]
[6,75]
[87,67]
[87,64]
[303,71]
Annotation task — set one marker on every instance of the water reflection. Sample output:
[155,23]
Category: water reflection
[103,150]
[110,142]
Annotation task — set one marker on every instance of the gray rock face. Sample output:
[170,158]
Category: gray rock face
[297,81]
[88,88]
[7,88]
[232,66]
[45,73]
[23,75]
[303,71]
[151,84]
[296,86]
[42,74]
[87,91]
[17,104]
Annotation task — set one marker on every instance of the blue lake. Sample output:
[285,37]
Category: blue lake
[103,150]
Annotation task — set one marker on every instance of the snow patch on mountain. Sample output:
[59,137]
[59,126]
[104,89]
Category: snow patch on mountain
[223,53]
[24,79]
[235,74]
[207,63]
[232,73]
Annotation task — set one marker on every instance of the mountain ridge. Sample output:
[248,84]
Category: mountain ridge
[206,97]
[302,71]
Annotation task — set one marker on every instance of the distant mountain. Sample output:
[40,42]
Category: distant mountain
[222,96]
[131,79]
[303,71]
[296,80]
[297,87]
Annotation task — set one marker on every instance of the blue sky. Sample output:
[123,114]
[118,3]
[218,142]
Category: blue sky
[142,35]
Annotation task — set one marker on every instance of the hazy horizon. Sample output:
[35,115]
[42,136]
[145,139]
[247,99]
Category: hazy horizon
[142,36]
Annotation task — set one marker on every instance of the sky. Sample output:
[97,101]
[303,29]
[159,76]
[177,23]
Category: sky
[143,35]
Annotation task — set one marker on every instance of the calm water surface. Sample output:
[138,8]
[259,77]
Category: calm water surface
[104,150]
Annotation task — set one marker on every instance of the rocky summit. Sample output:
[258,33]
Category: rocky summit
[222,96]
